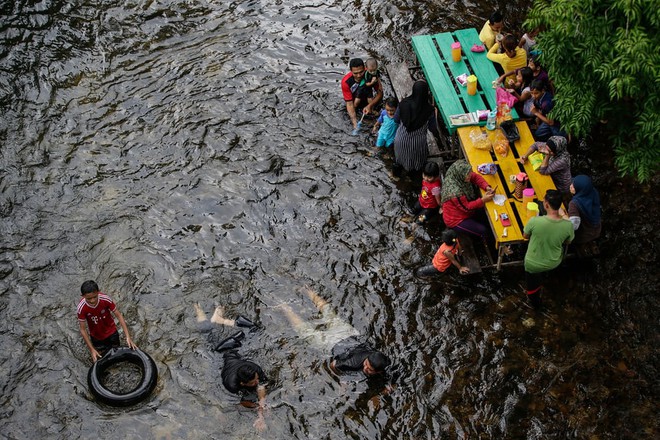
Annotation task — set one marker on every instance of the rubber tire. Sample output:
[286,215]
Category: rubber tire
[115,356]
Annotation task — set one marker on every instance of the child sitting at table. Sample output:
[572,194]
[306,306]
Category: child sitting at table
[513,58]
[386,124]
[544,102]
[448,254]
[521,89]
[428,202]
[528,41]
[539,72]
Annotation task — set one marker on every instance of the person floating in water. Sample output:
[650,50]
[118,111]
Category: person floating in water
[348,354]
[239,376]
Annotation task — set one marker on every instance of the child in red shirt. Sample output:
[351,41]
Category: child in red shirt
[448,254]
[428,204]
[96,310]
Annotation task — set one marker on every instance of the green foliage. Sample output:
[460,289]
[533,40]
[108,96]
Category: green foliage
[604,59]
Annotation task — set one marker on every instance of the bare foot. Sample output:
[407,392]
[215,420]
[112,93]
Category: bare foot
[316,299]
[201,316]
[219,317]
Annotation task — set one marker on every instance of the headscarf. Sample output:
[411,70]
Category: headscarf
[415,110]
[587,199]
[559,147]
[455,185]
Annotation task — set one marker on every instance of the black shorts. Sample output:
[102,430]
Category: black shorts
[364,93]
[534,281]
[106,344]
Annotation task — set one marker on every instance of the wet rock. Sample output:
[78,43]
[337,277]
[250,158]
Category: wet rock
[5,269]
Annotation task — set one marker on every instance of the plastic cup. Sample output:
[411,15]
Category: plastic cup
[528,196]
[456,51]
[532,210]
[472,85]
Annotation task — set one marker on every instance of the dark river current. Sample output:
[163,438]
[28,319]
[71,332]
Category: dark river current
[183,152]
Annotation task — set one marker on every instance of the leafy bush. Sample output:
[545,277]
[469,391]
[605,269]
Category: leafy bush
[604,59]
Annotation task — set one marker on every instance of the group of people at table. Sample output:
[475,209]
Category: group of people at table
[402,127]
[455,199]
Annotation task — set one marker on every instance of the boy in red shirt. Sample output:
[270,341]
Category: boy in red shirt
[428,203]
[97,310]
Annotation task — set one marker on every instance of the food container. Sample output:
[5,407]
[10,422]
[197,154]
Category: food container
[528,195]
[456,51]
[472,85]
[532,210]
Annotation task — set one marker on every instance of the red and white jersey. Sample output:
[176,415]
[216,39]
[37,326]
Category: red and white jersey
[100,321]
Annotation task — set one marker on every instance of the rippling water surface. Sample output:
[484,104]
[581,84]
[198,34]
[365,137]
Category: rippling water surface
[184,152]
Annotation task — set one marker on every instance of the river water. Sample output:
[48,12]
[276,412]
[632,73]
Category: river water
[183,152]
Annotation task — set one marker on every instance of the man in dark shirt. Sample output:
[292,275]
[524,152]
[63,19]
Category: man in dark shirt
[238,375]
[358,358]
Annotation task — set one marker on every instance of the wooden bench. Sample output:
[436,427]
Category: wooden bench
[506,167]
[434,55]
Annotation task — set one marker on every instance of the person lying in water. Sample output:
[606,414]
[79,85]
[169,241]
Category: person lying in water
[338,338]
[348,354]
[239,376]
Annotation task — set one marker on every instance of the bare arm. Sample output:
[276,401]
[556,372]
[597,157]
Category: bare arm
[88,341]
[376,99]
[529,151]
[541,117]
[505,75]
[450,256]
[350,108]
[260,423]
[124,327]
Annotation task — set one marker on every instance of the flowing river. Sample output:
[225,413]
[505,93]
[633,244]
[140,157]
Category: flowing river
[183,152]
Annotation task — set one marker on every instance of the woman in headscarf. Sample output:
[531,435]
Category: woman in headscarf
[584,210]
[410,146]
[556,161]
[460,198]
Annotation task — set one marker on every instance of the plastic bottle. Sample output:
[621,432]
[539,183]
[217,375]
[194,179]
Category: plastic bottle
[490,122]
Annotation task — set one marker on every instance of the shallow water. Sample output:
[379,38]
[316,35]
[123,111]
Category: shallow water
[198,152]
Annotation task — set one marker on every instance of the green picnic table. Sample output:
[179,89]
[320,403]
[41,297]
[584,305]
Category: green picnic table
[434,55]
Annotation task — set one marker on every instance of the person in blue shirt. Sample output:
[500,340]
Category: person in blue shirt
[544,102]
[387,124]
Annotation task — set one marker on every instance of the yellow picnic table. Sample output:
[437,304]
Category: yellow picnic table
[507,166]
[434,56]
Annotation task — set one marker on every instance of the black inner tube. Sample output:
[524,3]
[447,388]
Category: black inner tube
[115,356]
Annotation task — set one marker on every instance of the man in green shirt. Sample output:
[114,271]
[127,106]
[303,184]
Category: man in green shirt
[547,236]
